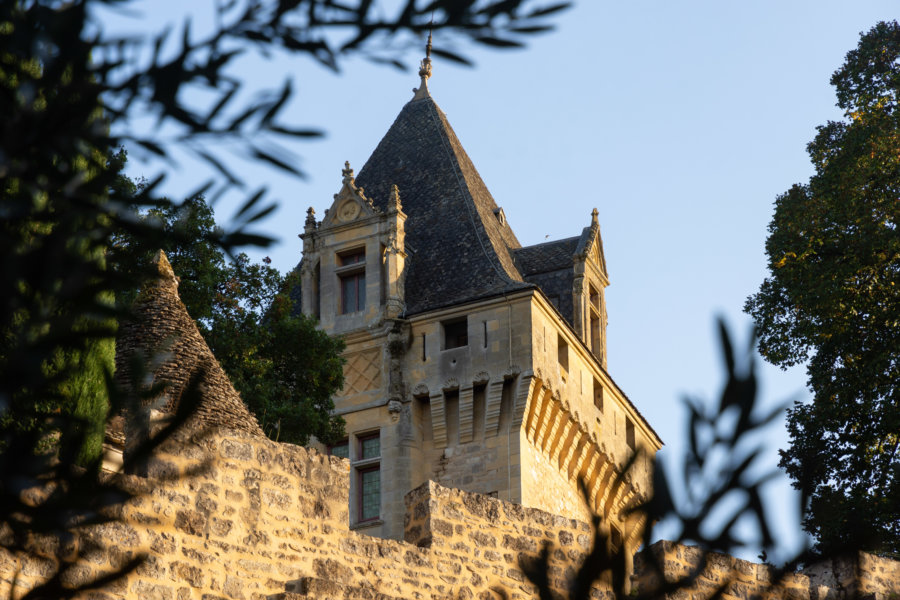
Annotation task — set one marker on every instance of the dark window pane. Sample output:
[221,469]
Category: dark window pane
[353,259]
[342,450]
[370,494]
[370,447]
[456,334]
[353,292]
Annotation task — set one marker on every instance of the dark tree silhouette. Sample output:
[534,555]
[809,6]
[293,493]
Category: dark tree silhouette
[67,89]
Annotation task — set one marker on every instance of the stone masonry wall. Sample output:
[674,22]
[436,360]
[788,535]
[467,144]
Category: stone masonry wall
[873,578]
[268,521]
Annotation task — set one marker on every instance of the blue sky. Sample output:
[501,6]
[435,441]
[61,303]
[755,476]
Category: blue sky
[679,121]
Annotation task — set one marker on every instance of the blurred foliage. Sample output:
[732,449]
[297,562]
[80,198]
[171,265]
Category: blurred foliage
[832,300]
[285,369]
[716,498]
[69,90]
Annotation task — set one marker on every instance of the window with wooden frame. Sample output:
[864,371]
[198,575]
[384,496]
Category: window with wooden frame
[351,272]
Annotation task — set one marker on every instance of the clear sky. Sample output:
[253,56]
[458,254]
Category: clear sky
[679,121]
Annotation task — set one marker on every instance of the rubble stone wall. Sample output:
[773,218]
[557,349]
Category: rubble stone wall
[234,516]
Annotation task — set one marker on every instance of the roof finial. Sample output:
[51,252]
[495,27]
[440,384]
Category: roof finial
[594,220]
[425,67]
[347,172]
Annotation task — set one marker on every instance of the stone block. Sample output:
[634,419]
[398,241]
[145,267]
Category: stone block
[191,522]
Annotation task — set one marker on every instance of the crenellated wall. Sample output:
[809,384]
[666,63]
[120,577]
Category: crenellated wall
[268,521]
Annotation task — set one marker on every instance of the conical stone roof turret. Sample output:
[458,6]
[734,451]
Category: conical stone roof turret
[166,338]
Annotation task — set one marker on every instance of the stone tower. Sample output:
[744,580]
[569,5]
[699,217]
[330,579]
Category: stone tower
[471,360]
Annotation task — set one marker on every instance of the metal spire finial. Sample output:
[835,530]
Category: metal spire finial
[425,67]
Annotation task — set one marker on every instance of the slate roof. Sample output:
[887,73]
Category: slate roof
[549,256]
[458,248]
[549,266]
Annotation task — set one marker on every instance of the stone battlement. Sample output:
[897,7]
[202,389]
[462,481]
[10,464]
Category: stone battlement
[269,521]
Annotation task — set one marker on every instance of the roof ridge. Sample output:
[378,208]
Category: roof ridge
[560,240]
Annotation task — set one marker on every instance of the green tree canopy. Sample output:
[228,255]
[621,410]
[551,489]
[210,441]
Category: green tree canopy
[832,300]
[69,88]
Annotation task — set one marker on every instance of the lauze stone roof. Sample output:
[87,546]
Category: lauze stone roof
[166,338]
[459,250]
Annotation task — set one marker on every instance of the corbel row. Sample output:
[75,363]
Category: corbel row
[553,428]
[493,405]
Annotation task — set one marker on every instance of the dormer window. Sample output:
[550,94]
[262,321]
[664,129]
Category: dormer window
[352,276]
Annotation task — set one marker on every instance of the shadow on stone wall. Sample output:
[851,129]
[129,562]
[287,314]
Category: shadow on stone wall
[269,521]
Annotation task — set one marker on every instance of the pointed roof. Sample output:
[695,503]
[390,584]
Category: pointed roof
[460,245]
[590,239]
[166,338]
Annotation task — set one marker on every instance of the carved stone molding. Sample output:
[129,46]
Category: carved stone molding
[420,391]
[451,384]
[512,371]
[481,378]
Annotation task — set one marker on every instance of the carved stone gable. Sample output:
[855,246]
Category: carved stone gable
[350,203]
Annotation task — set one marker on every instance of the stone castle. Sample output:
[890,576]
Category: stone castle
[472,361]
[476,398]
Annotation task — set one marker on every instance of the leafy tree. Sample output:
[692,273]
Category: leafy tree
[285,369]
[713,496]
[833,299]
[68,88]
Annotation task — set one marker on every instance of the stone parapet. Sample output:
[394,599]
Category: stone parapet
[229,515]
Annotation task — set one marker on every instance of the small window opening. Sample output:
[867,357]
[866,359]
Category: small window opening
[562,356]
[629,434]
[424,355]
[317,291]
[456,333]
[615,538]
[484,328]
[384,275]
[594,311]
[598,395]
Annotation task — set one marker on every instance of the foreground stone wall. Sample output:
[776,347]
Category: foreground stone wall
[871,578]
[262,520]
[232,516]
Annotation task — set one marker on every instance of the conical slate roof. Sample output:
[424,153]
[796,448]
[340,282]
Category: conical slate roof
[459,244]
[166,338]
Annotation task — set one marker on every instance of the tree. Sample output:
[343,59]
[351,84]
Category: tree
[833,299]
[68,88]
[285,369]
